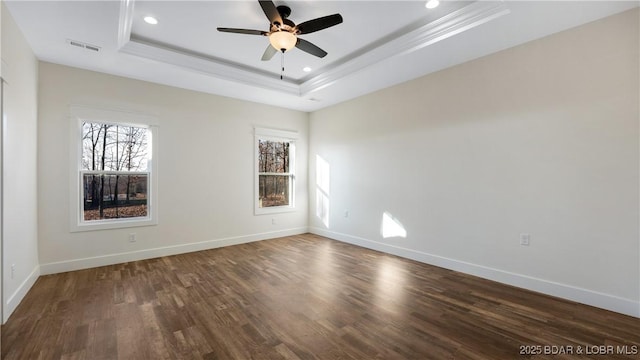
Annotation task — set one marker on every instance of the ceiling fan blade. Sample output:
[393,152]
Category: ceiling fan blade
[271,11]
[306,46]
[268,53]
[243,31]
[324,22]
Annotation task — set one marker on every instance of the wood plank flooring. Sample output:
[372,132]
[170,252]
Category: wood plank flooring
[301,297]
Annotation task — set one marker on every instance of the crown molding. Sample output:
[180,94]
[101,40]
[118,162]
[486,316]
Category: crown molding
[468,17]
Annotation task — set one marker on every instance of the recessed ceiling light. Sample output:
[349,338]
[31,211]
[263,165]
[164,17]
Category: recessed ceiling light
[431,4]
[151,20]
[306,69]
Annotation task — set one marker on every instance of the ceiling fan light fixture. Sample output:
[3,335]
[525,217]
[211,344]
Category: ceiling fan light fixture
[282,40]
[432,4]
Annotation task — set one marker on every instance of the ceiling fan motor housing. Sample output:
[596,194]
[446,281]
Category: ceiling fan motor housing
[284,11]
[287,25]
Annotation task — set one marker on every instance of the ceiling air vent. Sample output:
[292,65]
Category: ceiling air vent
[80,44]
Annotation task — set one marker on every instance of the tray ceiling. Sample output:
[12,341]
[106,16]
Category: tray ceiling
[379,44]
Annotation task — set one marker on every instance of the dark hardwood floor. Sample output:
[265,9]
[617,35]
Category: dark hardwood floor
[301,297]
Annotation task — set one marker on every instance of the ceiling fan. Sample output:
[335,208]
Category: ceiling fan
[283,33]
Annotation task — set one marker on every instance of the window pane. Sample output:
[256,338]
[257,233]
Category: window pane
[114,196]
[115,148]
[274,190]
[273,156]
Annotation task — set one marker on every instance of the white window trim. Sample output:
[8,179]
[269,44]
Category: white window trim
[274,135]
[88,114]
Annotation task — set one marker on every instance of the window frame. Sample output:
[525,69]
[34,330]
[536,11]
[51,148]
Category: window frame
[80,114]
[277,136]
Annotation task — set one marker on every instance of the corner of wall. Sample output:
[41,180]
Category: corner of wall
[19,171]
[14,300]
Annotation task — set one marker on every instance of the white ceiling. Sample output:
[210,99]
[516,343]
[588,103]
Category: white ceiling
[379,44]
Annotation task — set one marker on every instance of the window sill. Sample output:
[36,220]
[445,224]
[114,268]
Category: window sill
[274,210]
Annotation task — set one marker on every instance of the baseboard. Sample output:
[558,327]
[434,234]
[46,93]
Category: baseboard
[580,295]
[15,298]
[91,262]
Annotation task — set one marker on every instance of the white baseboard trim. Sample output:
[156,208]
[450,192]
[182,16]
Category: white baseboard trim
[91,262]
[14,300]
[569,292]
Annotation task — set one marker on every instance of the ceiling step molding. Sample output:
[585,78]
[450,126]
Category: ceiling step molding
[468,17]
[208,66]
[125,22]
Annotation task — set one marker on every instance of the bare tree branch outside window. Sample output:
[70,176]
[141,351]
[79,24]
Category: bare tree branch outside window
[274,178]
[115,171]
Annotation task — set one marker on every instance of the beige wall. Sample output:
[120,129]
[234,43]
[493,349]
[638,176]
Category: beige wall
[19,203]
[205,169]
[540,139]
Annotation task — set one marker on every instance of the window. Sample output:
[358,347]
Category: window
[115,183]
[275,171]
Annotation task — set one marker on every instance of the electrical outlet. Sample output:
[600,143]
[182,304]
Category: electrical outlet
[273,221]
[525,239]
[346,213]
[13,270]
[132,237]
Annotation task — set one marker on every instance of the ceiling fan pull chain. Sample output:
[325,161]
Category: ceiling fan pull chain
[282,66]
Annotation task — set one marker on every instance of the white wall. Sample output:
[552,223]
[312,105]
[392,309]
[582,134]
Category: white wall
[20,230]
[205,174]
[541,139]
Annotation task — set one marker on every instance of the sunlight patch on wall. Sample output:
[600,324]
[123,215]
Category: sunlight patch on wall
[323,177]
[392,227]
[323,174]
[322,207]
